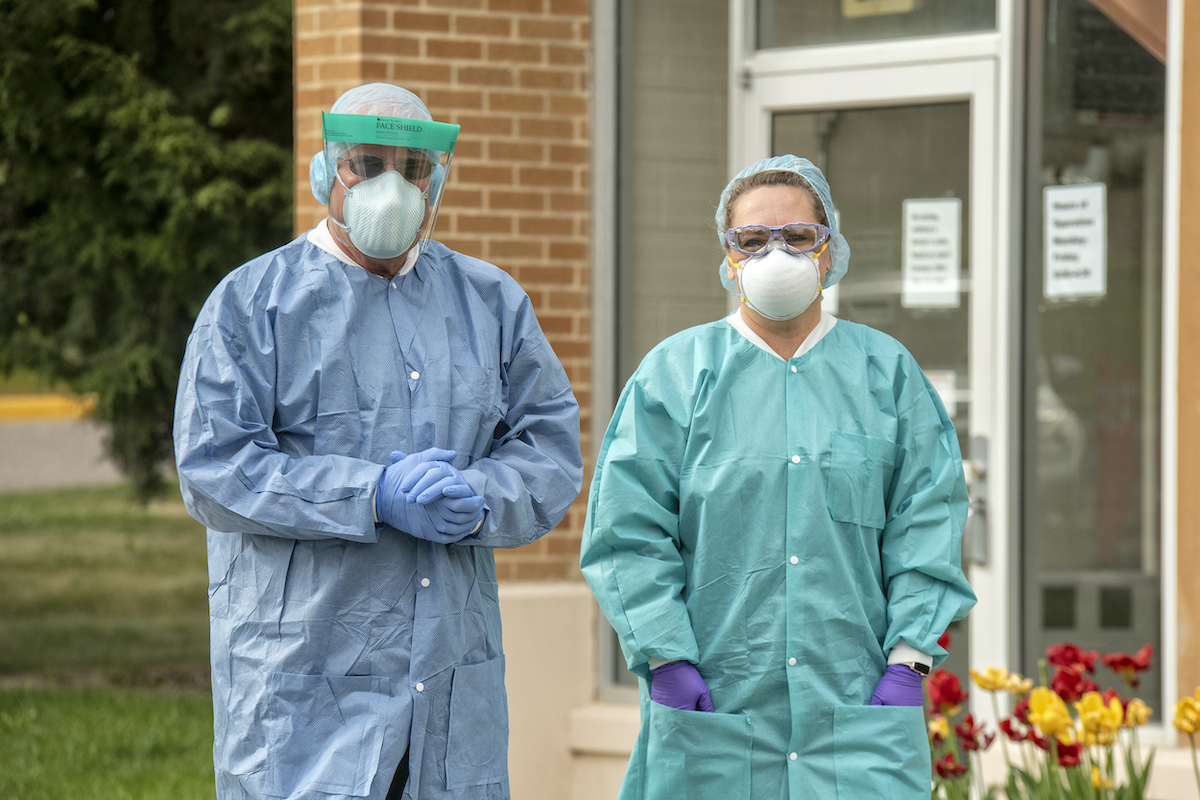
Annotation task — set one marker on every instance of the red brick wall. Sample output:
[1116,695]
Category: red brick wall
[515,75]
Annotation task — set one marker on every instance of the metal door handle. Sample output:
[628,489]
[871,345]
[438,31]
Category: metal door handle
[975,533]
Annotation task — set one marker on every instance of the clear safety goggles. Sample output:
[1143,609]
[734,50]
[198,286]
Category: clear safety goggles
[414,165]
[796,237]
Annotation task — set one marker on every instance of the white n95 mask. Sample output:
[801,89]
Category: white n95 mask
[383,214]
[779,285]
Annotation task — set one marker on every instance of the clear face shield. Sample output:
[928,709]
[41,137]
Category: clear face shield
[393,171]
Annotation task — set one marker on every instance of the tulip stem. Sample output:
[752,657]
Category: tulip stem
[1195,766]
[1003,739]
[1134,751]
[1056,779]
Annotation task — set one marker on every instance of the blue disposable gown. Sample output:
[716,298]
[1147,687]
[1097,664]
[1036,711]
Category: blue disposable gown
[338,643]
[748,510]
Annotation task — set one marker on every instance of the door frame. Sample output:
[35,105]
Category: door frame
[981,69]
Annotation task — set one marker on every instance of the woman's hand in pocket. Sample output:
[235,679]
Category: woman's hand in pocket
[679,685]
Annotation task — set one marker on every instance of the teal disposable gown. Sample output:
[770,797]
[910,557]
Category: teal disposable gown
[782,525]
[338,643]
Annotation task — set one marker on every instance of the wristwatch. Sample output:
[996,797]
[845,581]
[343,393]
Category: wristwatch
[917,667]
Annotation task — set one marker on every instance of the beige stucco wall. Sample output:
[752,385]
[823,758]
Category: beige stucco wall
[1188,394]
[563,745]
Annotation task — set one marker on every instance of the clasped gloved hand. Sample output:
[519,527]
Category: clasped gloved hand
[679,685]
[423,495]
[899,686]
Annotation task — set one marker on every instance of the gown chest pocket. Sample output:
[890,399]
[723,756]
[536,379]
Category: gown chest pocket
[860,470]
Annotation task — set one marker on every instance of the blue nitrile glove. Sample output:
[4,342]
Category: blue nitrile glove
[899,686]
[393,506]
[679,685]
[445,490]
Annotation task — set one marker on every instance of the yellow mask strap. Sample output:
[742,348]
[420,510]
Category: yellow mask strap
[737,265]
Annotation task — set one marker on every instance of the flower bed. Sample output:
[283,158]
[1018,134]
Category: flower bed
[1061,739]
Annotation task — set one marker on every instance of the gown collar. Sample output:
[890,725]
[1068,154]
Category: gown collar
[817,334]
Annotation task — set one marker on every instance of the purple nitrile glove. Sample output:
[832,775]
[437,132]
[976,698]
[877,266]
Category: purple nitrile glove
[899,686]
[679,685]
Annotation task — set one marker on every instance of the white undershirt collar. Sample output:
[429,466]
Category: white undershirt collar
[323,238]
[815,335]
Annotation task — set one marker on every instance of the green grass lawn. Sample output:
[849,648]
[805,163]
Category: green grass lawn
[105,744]
[97,591]
[90,581]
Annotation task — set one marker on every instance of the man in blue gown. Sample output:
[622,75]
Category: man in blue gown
[363,415]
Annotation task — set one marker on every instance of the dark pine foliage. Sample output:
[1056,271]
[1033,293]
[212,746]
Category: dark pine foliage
[145,151]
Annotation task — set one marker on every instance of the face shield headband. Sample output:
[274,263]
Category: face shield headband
[435,141]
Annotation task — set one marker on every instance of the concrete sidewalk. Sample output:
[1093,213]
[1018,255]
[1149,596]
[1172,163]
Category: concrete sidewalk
[44,443]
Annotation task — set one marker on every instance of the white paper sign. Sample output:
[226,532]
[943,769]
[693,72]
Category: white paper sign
[932,252]
[1076,236]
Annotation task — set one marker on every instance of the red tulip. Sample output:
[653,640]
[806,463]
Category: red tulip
[1128,666]
[1021,710]
[945,692]
[948,768]
[1070,685]
[1039,740]
[1071,657]
[1009,730]
[944,639]
[1069,754]
[969,734]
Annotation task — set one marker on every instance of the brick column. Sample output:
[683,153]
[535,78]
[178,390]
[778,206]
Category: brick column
[515,75]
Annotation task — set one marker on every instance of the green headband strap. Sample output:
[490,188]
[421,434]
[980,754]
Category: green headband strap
[362,129]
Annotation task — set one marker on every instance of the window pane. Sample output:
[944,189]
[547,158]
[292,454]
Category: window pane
[795,23]
[672,168]
[1093,328]
[672,157]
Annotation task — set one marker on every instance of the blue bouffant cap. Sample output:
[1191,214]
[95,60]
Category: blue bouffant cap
[838,247]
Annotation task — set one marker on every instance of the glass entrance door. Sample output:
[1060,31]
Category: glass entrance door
[1091,561]
[901,179]
[910,154]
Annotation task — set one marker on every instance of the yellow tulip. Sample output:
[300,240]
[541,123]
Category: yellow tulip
[1137,713]
[1187,714]
[939,729]
[1048,712]
[1098,780]
[993,679]
[1018,685]
[1097,717]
